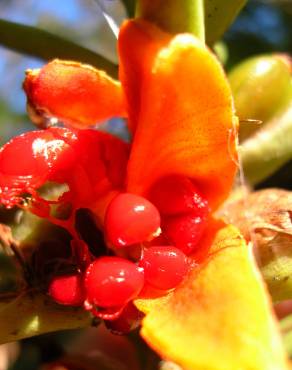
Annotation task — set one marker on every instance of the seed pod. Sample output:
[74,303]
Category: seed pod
[260,87]
[270,148]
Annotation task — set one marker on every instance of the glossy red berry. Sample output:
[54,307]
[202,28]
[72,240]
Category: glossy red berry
[43,154]
[177,194]
[112,282]
[164,266]
[131,219]
[185,231]
[67,290]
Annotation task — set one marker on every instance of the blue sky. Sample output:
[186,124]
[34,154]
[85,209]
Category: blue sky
[79,19]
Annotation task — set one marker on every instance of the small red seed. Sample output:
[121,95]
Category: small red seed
[67,290]
[177,194]
[131,219]
[184,231]
[164,266]
[112,281]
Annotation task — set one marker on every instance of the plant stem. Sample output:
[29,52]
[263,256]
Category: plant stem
[174,16]
[130,7]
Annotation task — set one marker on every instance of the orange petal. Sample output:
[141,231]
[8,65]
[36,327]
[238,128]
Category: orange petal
[185,119]
[220,317]
[137,51]
[75,93]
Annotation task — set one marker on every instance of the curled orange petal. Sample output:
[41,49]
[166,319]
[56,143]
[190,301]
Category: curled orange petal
[185,123]
[220,317]
[75,93]
[139,43]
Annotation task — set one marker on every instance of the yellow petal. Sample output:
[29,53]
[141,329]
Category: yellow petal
[220,318]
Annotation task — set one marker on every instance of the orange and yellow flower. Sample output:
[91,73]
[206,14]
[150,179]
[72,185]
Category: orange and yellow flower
[180,113]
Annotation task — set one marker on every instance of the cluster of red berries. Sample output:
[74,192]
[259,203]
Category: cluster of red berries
[165,230]
[162,229]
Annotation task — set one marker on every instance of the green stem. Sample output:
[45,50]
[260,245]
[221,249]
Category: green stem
[175,16]
[130,7]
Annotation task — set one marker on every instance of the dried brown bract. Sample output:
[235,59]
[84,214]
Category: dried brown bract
[265,219]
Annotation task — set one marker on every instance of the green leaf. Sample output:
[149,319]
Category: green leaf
[45,45]
[9,276]
[219,14]
[34,314]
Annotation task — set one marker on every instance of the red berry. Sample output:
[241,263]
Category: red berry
[112,281]
[164,266]
[131,219]
[177,194]
[185,231]
[43,154]
[67,290]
